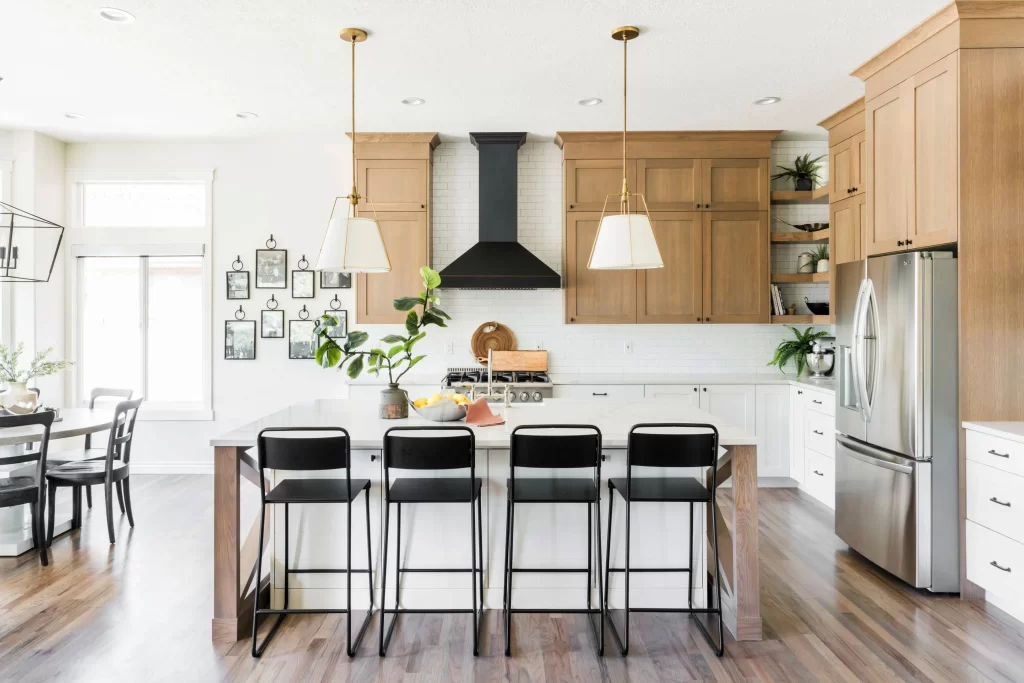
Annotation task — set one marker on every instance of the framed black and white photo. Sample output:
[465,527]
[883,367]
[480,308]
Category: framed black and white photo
[303,284]
[302,339]
[335,280]
[339,331]
[239,339]
[238,284]
[271,269]
[272,324]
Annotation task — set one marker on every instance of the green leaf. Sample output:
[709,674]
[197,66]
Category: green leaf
[412,323]
[355,367]
[395,350]
[328,355]
[392,339]
[397,363]
[441,313]
[328,321]
[407,303]
[415,360]
[431,280]
[430,319]
[412,341]
[355,339]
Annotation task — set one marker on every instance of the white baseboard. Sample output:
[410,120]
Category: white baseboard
[193,467]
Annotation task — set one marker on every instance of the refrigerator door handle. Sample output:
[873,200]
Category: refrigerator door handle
[855,350]
[874,457]
[872,309]
[859,360]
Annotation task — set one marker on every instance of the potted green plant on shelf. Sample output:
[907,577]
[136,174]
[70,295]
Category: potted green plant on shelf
[19,398]
[820,254]
[805,172]
[394,402]
[796,349]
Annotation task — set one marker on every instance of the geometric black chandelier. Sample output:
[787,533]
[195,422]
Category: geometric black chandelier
[28,245]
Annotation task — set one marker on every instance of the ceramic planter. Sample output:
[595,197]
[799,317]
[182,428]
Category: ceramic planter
[394,403]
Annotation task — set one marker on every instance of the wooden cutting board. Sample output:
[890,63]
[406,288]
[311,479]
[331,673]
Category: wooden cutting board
[530,361]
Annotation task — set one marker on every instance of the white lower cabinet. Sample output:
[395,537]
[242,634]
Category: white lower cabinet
[629,392]
[772,425]
[820,477]
[734,403]
[689,392]
[814,443]
[796,432]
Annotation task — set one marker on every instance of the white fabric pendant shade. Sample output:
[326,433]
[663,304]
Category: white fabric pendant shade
[625,242]
[353,244]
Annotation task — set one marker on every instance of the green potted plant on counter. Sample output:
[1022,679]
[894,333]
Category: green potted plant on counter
[796,349]
[394,403]
[804,172]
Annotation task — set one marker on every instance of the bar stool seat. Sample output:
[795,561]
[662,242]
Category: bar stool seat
[661,490]
[543,490]
[77,455]
[87,472]
[316,490]
[434,490]
[18,491]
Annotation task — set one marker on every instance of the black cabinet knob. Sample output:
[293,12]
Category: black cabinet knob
[695,388]
[707,320]
[707,206]
[698,205]
[909,242]
[572,206]
[705,389]
[373,457]
[799,392]
[899,243]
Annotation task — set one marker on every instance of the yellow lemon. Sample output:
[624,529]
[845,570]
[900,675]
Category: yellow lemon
[420,402]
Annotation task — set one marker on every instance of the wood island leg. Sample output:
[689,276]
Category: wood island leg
[226,589]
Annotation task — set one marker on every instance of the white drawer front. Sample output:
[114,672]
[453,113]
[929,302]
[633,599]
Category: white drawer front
[995,452]
[995,499]
[820,433]
[599,391]
[819,402]
[994,562]
[820,477]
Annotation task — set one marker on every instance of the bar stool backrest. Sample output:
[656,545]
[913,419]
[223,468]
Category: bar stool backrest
[555,450]
[301,453]
[44,419]
[456,450]
[660,449]
[119,443]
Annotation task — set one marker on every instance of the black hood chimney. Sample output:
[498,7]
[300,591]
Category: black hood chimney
[498,261]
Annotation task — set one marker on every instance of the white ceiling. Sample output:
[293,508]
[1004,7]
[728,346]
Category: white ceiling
[185,67]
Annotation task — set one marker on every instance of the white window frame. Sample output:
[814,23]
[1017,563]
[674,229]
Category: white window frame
[138,242]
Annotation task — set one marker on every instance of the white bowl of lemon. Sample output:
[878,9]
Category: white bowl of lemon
[442,407]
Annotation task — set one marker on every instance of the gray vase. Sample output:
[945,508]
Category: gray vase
[394,403]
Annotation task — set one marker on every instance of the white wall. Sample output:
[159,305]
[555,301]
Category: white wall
[286,186]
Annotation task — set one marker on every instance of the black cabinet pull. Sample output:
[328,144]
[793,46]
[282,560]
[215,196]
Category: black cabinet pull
[603,457]
[695,388]
[819,433]
[998,455]
[423,206]
[373,457]
[799,392]
[999,502]
[705,389]
[1000,568]
[814,400]
[698,205]
[819,473]
[572,206]
[603,393]
[909,242]
[899,243]
[707,320]
[855,189]
[698,319]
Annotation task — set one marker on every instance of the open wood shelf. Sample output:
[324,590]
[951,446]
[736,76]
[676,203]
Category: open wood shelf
[800,278]
[801,320]
[800,237]
[816,196]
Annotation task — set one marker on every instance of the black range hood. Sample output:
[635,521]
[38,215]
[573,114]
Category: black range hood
[498,261]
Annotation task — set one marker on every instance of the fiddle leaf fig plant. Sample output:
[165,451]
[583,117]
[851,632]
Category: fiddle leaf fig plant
[796,349]
[398,355]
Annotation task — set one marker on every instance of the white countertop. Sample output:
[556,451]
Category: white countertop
[613,418]
[1013,431]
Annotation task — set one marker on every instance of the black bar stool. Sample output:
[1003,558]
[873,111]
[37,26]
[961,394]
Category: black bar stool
[454,451]
[647,449]
[555,451]
[307,454]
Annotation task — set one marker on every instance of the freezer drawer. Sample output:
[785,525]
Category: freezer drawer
[883,509]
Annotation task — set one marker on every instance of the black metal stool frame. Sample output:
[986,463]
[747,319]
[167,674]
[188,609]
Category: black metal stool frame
[258,648]
[592,508]
[623,642]
[449,461]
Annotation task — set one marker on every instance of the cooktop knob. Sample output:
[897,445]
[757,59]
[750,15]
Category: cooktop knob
[537,396]
[524,396]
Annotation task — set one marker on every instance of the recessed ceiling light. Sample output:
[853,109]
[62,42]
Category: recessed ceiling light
[117,16]
[247,115]
[414,101]
[73,115]
[590,101]
[768,100]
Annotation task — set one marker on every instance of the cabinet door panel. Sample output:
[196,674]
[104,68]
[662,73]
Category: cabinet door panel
[406,239]
[841,175]
[887,167]
[687,393]
[846,228]
[588,182]
[733,403]
[933,212]
[669,184]
[594,296]
[734,184]
[860,179]
[736,267]
[772,426]
[394,184]
[673,294]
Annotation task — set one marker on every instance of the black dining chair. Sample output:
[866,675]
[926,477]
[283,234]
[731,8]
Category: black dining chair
[535,446]
[111,469]
[279,452]
[669,450]
[29,491]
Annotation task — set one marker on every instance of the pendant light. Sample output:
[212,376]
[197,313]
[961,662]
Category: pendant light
[353,244]
[625,241]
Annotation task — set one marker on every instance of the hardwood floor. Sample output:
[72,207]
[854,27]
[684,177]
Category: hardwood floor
[140,611]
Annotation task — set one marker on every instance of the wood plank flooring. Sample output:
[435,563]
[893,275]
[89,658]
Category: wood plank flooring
[140,611]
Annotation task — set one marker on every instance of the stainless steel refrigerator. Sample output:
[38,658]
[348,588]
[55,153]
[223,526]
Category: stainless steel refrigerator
[896,415]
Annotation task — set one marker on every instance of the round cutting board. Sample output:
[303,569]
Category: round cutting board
[493,336]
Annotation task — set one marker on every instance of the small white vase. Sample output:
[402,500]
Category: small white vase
[18,399]
[805,263]
[823,265]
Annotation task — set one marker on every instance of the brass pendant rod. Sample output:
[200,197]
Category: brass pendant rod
[354,199]
[625,186]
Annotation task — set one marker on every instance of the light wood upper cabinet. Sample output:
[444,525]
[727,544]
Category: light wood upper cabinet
[933,212]
[673,294]
[847,222]
[735,184]
[736,267]
[846,167]
[669,184]
[406,238]
[889,160]
[588,182]
[594,296]
[394,184]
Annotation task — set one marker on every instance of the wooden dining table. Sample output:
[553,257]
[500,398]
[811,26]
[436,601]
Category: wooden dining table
[15,524]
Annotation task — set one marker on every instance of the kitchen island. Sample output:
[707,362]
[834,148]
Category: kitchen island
[547,536]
